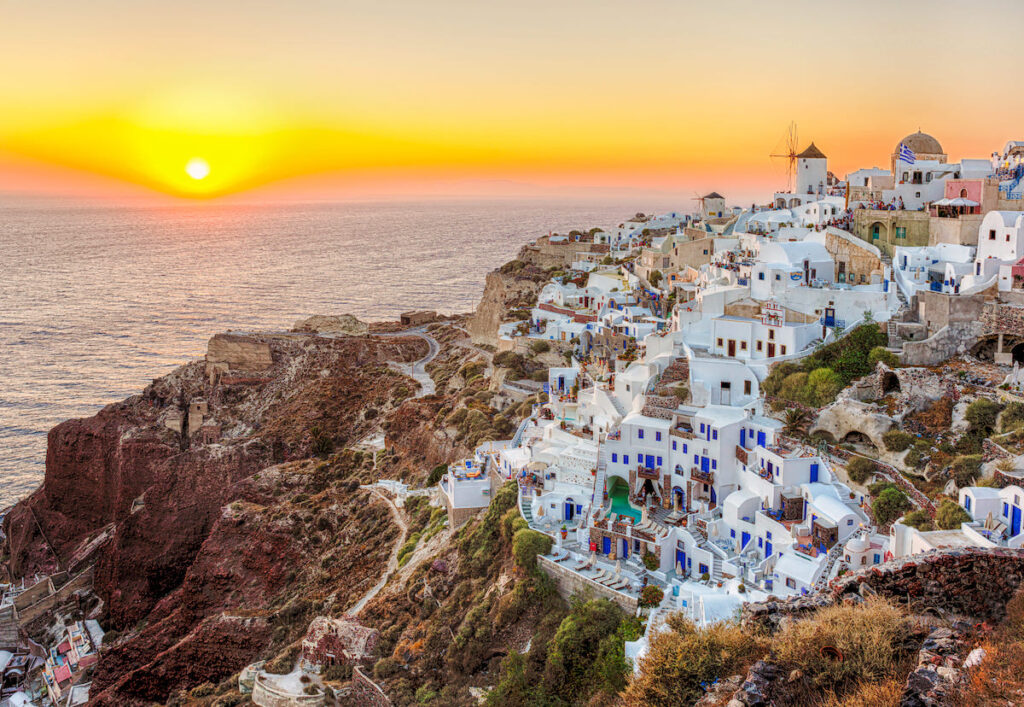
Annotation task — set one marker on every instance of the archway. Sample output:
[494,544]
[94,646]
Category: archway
[856,437]
[890,383]
[985,349]
[570,509]
[678,499]
[1018,353]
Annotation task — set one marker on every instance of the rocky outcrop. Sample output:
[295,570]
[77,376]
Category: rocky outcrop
[847,415]
[201,546]
[344,325]
[515,285]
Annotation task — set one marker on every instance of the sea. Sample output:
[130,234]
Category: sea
[97,299]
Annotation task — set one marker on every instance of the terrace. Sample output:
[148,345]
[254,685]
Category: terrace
[706,477]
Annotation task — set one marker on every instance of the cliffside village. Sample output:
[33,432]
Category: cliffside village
[654,460]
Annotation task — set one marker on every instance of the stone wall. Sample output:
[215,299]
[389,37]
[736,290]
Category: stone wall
[266,695]
[953,340]
[572,583]
[32,612]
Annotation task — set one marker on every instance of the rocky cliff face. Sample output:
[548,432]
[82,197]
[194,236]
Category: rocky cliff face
[513,286]
[207,541]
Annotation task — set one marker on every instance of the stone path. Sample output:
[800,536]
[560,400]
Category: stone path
[417,370]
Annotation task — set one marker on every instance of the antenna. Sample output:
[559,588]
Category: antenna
[786,149]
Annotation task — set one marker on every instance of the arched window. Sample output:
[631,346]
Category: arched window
[963,193]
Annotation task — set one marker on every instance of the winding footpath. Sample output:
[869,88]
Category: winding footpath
[393,561]
[417,370]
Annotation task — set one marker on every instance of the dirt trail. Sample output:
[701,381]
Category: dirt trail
[393,561]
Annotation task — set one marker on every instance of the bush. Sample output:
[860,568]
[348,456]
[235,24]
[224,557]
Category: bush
[539,347]
[792,387]
[526,545]
[1012,417]
[889,505]
[437,472]
[651,595]
[880,353]
[651,561]
[859,469]
[966,468]
[918,519]
[870,639]
[338,673]
[949,515]
[204,690]
[385,668]
[823,384]
[981,414]
[897,440]
[682,660]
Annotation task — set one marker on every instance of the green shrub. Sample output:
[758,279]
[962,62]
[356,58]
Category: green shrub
[651,561]
[823,384]
[651,595]
[981,414]
[539,347]
[438,471]
[526,545]
[880,353]
[793,386]
[949,515]
[897,440]
[1012,417]
[338,673]
[859,469]
[919,519]
[385,668]
[204,690]
[890,505]
[966,468]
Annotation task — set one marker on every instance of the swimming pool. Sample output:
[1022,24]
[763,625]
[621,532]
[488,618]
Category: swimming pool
[618,494]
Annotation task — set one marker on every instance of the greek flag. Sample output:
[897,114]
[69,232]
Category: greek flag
[906,154]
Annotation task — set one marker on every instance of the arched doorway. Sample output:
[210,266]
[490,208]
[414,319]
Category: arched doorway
[678,499]
[876,230]
[1018,353]
[570,509]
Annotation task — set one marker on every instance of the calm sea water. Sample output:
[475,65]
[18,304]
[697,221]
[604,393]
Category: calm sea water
[97,300]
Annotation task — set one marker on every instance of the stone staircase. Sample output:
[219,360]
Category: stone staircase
[833,556]
[524,507]
[599,479]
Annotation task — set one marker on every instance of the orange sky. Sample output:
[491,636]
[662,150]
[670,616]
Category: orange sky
[344,98]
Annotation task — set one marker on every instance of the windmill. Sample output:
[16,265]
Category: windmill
[700,202]
[787,149]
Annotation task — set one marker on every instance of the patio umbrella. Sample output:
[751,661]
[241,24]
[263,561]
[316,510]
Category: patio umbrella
[618,567]
[643,514]
[679,568]
[593,558]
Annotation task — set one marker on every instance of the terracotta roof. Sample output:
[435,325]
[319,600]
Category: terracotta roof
[812,153]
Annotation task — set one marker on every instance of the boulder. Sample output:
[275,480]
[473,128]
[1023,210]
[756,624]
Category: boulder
[345,325]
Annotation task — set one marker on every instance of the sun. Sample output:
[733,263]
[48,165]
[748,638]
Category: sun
[197,168]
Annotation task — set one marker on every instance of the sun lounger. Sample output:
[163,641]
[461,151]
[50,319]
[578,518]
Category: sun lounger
[600,574]
[619,584]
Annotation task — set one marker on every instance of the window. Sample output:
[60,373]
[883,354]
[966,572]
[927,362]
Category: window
[760,276]
[768,534]
[849,521]
[625,459]
[659,463]
[719,342]
[1007,237]
[992,235]
[906,176]
[615,458]
[657,436]
[673,445]
[967,502]
[714,434]
[684,447]
[760,542]
[743,346]
[702,568]
[783,349]
[877,558]
[732,533]
[640,433]
[901,232]
[696,458]
[778,276]
[714,463]
[702,428]
[759,346]
[1006,510]
[790,583]
[771,335]
[746,388]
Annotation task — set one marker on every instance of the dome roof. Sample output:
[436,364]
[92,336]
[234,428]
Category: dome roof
[921,143]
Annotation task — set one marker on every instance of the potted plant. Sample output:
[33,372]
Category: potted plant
[565,532]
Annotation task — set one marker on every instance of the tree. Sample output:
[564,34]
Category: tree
[795,420]
[889,505]
[655,277]
[583,636]
[949,515]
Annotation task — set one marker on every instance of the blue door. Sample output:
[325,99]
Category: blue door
[1015,523]
[760,439]
[814,473]
[714,496]
[650,461]
[705,464]
[569,510]
[681,560]
[743,436]
[767,549]
[606,546]
[625,549]
[744,540]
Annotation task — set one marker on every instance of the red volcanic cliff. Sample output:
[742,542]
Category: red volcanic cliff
[203,534]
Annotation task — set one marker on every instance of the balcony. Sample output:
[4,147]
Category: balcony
[741,455]
[706,477]
[645,472]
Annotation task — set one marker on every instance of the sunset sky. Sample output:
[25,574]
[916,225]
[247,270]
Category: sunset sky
[340,98]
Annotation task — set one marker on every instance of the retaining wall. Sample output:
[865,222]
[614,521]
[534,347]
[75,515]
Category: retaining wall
[570,583]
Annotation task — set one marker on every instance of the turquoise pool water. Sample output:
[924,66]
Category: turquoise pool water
[618,494]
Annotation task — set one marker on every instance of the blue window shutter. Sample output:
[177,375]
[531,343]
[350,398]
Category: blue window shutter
[625,459]
[615,458]
[659,461]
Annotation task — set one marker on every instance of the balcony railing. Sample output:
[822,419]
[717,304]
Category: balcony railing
[645,472]
[697,474]
[684,433]
[741,455]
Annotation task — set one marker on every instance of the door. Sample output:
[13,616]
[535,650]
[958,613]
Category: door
[830,315]
[743,437]
[625,549]
[1015,523]
[767,549]
[681,561]
[650,461]
[760,439]
[814,473]
[771,350]
[606,545]
[705,464]
[744,540]
[732,348]
[726,392]
[569,510]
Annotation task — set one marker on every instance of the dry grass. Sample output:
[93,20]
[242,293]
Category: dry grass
[999,680]
[846,649]
[886,693]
